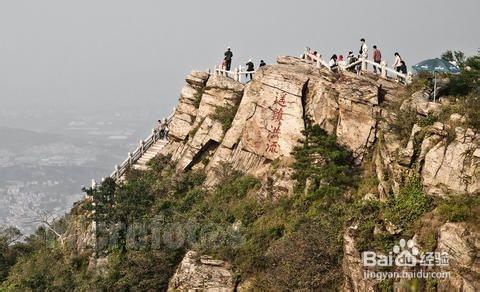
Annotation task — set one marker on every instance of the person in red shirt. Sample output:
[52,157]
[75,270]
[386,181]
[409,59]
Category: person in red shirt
[377,58]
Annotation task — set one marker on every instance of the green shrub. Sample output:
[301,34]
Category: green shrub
[462,208]
[471,106]
[225,115]
[429,120]
[198,97]
[409,204]
[467,81]
[321,161]
[160,162]
[403,124]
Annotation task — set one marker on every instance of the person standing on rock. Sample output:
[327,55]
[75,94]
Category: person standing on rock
[363,49]
[377,58]
[350,60]
[333,63]
[341,61]
[363,53]
[161,128]
[165,129]
[250,68]
[397,65]
[228,59]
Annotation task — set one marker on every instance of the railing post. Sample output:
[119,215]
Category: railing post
[94,184]
[117,172]
[384,69]
[240,73]
[409,78]
[364,65]
[235,74]
[130,159]
[142,145]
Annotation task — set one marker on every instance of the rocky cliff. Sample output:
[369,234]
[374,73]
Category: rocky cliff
[270,113]
[248,162]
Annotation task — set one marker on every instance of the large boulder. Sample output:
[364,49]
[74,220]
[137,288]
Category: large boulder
[203,273]
[268,124]
[277,122]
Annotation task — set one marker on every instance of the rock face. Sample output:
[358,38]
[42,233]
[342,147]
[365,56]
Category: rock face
[186,110]
[450,168]
[203,273]
[273,109]
[80,233]
[203,133]
[352,265]
[462,244]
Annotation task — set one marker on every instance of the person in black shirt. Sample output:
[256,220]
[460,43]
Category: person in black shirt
[250,68]
[228,59]
[262,63]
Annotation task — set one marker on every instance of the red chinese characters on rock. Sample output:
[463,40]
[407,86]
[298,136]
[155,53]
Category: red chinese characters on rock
[276,122]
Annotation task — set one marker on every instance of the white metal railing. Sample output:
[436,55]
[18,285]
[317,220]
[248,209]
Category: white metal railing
[382,67]
[236,73]
[316,58]
[133,157]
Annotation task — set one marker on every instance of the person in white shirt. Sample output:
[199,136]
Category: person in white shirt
[333,63]
[363,49]
[397,65]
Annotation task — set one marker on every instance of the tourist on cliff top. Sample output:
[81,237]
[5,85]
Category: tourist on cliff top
[250,68]
[397,65]
[262,63]
[363,53]
[333,63]
[403,67]
[306,55]
[350,60]
[228,59]
[223,65]
[377,58]
[363,49]
[341,61]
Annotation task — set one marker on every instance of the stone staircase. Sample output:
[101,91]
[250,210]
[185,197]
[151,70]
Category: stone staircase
[141,163]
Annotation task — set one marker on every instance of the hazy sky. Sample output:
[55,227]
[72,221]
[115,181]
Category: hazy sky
[135,54]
